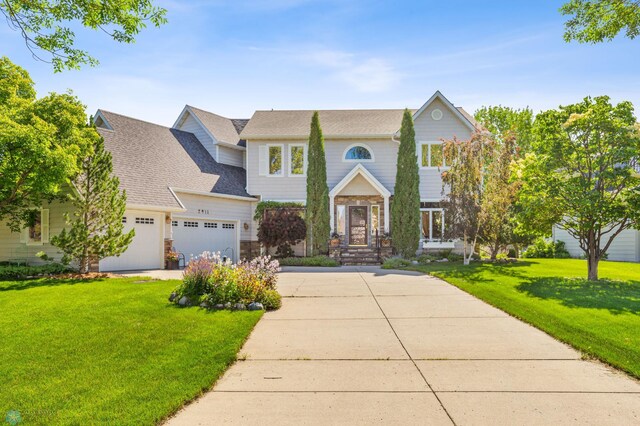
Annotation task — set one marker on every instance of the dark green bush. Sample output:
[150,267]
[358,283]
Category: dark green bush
[309,261]
[9,271]
[543,249]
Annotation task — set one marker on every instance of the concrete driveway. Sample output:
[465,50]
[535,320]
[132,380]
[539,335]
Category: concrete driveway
[368,346]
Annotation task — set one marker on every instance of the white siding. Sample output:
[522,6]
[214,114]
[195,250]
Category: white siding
[12,249]
[626,246]
[287,187]
[214,208]
[230,156]
[190,125]
[430,130]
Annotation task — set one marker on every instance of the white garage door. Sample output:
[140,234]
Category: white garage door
[192,237]
[146,249]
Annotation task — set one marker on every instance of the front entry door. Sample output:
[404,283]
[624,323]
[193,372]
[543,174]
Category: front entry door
[358,216]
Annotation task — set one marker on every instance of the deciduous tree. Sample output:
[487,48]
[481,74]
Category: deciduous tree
[41,143]
[595,21]
[583,173]
[47,25]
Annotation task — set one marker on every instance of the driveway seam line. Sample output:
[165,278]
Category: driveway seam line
[406,351]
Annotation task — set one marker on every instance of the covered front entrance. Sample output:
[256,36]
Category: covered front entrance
[358,225]
[359,206]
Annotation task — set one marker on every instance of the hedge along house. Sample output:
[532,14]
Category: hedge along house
[195,186]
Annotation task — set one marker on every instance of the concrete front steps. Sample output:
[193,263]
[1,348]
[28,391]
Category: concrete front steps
[359,256]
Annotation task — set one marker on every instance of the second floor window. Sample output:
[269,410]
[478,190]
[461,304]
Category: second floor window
[358,153]
[275,160]
[432,155]
[297,160]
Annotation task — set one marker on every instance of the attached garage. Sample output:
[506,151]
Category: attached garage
[146,249]
[195,236]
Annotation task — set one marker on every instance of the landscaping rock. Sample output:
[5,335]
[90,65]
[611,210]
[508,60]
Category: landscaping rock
[415,262]
[204,305]
[239,307]
[219,306]
[255,306]
[173,296]
[184,301]
[443,260]
[227,305]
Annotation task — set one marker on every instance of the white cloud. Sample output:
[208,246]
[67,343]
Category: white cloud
[364,74]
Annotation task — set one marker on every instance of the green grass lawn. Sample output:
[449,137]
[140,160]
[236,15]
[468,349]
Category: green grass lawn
[602,319]
[108,351]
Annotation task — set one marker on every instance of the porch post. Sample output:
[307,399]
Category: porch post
[331,213]
[387,213]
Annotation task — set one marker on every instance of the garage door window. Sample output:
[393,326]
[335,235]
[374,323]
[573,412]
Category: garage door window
[124,219]
[228,226]
[174,223]
[144,220]
[210,225]
[189,224]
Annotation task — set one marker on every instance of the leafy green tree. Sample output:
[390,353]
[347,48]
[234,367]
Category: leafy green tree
[505,122]
[96,230]
[41,143]
[463,185]
[46,25]
[583,173]
[405,209]
[595,21]
[512,129]
[317,211]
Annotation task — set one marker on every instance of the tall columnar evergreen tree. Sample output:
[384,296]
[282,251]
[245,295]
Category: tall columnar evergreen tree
[317,211]
[96,230]
[405,209]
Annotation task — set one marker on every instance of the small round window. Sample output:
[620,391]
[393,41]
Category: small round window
[436,114]
[358,153]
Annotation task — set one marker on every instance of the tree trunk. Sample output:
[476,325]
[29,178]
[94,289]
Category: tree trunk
[495,248]
[593,257]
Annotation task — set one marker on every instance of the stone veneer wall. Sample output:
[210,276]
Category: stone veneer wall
[364,200]
[249,249]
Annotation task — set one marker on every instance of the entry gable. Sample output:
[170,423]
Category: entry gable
[359,177]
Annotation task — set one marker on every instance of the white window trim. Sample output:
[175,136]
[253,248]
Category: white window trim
[344,231]
[421,144]
[365,146]
[44,227]
[431,210]
[304,157]
[282,161]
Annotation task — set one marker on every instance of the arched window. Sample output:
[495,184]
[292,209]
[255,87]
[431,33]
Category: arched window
[358,153]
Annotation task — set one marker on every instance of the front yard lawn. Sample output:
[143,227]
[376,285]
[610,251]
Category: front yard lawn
[601,319]
[108,350]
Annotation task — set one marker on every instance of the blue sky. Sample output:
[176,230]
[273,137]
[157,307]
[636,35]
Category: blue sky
[233,57]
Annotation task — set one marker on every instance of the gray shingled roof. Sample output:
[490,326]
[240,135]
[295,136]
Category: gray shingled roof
[149,158]
[222,128]
[294,124]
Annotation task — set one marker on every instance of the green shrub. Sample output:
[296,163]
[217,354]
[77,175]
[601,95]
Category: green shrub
[14,271]
[543,249]
[396,263]
[309,261]
[271,300]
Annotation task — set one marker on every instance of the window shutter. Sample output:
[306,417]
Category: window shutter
[44,225]
[263,160]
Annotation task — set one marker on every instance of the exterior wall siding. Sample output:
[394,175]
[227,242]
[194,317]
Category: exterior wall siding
[288,187]
[12,249]
[190,125]
[430,130]
[230,156]
[625,247]
[214,208]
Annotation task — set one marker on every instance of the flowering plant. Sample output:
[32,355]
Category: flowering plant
[172,256]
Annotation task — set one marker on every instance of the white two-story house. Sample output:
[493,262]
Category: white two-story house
[195,186]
